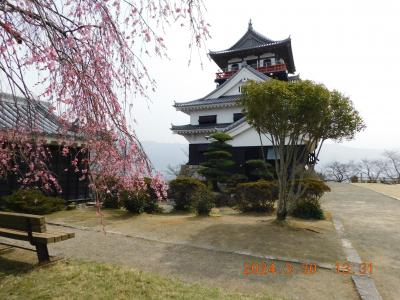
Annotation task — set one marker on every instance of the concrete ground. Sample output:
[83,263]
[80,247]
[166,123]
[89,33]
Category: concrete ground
[391,190]
[372,224]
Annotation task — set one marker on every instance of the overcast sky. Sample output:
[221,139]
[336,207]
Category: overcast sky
[352,46]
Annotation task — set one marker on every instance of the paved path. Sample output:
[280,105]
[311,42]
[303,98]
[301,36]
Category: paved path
[371,223]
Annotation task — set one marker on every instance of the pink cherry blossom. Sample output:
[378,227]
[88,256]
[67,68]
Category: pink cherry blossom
[89,58]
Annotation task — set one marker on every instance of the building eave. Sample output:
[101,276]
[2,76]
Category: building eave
[234,51]
[188,108]
[198,129]
[283,46]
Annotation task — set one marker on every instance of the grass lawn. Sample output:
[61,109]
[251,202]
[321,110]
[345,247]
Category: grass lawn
[75,279]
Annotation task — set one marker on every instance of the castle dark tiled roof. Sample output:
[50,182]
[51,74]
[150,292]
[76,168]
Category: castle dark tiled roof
[235,124]
[206,128]
[189,128]
[18,112]
[251,39]
[204,101]
[254,43]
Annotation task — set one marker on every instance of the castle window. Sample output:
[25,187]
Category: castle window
[271,155]
[237,116]
[267,62]
[212,119]
[252,63]
[234,67]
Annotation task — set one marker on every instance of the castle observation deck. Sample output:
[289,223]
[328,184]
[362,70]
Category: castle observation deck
[270,57]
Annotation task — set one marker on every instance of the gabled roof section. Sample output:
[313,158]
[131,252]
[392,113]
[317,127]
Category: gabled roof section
[250,39]
[235,124]
[237,77]
[217,97]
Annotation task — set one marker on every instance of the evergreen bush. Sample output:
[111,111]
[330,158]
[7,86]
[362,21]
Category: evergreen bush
[204,201]
[308,205]
[134,202]
[315,188]
[234,180]
[151,205]
[182,190]
[308,209]
[258,196]
[31,201]
[354,179]
[257,169]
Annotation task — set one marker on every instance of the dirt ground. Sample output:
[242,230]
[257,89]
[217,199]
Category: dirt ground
[392,190]
[225,229]
[176,245]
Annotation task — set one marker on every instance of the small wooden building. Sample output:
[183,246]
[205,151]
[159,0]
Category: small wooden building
[17,111]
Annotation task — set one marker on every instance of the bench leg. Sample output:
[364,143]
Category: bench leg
[42,253]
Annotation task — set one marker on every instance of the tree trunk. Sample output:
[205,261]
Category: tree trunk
[282,201]
[282,212]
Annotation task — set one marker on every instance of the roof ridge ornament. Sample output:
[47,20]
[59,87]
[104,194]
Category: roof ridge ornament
[250,24]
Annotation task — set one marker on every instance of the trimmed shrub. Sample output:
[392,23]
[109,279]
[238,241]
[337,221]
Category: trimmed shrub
[151,204]
[31,201]
[354,179]
[134,202]
[258,196]
[308,209]
[111,201]
[182,190]
[204,201]
[308,206]
[234,180]
[315,188]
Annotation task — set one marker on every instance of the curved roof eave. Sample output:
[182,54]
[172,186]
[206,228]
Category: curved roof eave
[266,45]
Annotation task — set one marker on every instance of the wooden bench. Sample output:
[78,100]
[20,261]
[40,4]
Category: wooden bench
[31,228]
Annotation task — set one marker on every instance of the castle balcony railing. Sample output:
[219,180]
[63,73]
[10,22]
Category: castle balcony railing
[265,69]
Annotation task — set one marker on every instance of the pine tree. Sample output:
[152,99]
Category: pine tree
[218,162]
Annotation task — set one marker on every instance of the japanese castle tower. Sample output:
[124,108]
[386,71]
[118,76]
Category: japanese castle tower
[252,57]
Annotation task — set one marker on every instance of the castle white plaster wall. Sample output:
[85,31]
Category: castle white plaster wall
[248,138]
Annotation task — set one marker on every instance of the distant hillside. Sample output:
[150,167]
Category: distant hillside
[164,154]
[342,153]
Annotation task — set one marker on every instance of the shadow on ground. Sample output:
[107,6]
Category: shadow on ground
[12,262]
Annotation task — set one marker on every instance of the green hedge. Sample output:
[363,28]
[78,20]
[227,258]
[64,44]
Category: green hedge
[31,201]
[182,191]
[308,209]
[315,188]
[308,206]
[204,201]
[258,196]
[134,202]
